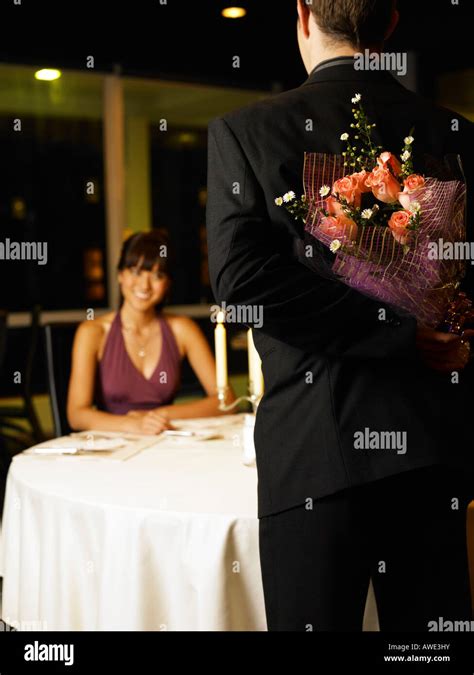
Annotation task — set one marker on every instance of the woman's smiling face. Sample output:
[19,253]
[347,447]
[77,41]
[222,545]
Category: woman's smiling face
[143,288]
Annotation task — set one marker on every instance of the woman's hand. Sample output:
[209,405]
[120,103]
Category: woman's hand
[148,422]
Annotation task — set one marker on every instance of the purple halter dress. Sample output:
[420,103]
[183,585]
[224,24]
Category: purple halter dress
[121,387]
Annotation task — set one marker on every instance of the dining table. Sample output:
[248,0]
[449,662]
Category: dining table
[131,533]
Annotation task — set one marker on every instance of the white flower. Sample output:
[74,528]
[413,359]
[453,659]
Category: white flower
[367,213]
[334,245]
[289,196]
[278,201]
[408,140]
[375,208]
[406,156]
[325,190]
[414,207]
[344,137]
[356,98]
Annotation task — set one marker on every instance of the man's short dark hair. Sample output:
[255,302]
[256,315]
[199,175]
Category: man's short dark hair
[359,22]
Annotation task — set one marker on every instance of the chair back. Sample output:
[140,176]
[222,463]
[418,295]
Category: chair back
[3,336]
[59,338]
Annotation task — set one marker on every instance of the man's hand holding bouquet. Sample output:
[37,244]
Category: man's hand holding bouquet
[383,223]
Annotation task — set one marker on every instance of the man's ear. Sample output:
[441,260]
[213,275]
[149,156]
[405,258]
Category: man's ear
[393,23]
[303,16]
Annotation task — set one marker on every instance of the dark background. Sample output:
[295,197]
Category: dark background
[189,40]
[182,40]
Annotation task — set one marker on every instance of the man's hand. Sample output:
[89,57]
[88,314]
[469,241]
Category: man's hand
[444,352]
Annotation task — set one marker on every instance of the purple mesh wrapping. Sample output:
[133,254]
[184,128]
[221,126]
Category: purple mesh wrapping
[376,265]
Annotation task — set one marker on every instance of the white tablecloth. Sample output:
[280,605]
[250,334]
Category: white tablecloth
[166,540]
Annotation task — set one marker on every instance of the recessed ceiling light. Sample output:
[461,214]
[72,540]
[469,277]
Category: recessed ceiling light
[234,12]
[48,74]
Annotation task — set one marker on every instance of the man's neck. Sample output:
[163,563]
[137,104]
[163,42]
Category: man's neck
[321,55]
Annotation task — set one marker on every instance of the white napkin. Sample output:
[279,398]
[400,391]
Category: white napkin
[70,446]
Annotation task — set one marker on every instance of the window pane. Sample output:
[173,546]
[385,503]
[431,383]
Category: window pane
[51,191]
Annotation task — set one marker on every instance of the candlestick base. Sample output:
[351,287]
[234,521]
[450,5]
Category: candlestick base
[248,454]
[222,395]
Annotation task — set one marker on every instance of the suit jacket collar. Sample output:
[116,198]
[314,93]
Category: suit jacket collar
[341,69]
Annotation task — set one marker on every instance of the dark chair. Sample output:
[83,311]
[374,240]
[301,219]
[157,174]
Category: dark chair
[59,338]
[26,409]
[3,336]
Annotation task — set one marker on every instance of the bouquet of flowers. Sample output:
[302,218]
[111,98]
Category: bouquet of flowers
[384,223]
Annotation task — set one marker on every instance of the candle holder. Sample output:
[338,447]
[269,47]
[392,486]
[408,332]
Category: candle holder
[222,395]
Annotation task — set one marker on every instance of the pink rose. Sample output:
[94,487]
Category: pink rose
[347,187]
[351,187]
[333,207]
[398,224]
[387,159]
[338,224]
[361,177]
[384,186]
[413,182]
[338,227]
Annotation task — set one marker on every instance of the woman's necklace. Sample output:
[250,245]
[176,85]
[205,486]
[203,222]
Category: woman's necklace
[141,345]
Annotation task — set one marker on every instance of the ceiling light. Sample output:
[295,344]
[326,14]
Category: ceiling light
[48,74]
[234,12]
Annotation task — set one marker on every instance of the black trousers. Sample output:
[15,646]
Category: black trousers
[406,532]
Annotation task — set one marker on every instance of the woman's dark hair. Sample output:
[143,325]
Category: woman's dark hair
[145,250]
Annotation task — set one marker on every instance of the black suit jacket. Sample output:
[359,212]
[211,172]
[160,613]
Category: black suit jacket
[331,367]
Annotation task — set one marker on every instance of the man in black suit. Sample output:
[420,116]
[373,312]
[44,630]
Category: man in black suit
[337,364]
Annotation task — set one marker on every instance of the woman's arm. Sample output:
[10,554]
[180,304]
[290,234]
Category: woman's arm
[80,411]
[202,362]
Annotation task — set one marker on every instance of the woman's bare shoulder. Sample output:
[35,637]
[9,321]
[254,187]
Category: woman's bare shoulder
[184,328]
[182,324]
[93,331]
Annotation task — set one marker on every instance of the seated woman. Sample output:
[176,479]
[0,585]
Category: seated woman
[129,362]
